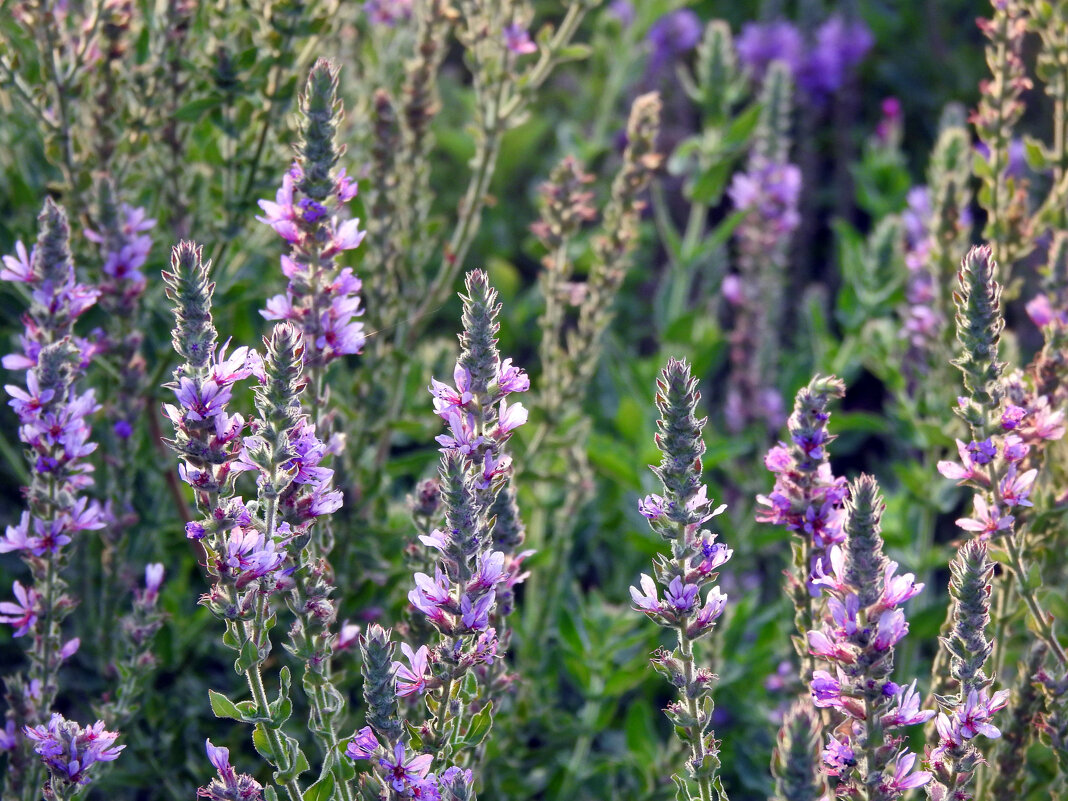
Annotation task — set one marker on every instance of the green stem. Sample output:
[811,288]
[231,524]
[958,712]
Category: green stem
[259,694]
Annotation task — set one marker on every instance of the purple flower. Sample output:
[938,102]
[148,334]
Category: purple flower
[1016,489]
[840,46]
[652,506]
[475,615]
[826,690]
[364,745]
[897,589]
[987,521]
[404,771]
[982,452]
[22,613]
[1012,416]
[646,600]
[230,785]
[20,266]
[70,751]
[907,712]
[771,191]
[838,757]
[411,678]
[511,379]
[153,580]
[517,40]
[759,44]
[388,12]
[891,628]
[901,780]
[674,34]
[681,596]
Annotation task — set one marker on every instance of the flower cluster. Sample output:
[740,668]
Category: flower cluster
[47,271]
[69,751]
[230,785]
[678,517]
[967,712]
[807,497]
[124,248]
[477,560]
[208,438]
[768,192]
[865,622]
[820,68]
[54,425]
[408,774]
[308,213]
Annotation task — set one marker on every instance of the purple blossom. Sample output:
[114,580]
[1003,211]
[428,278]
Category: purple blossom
[22,613]
[826,690]
[982,452]
[517,40]
[907,712]
[70,751]
[388,12]
[411,678]
[987,520]
[770,191]
[902,780]
[230,785]
[681,596]
[891,628]
[405,772]
[646,600]
[673,35]
[364,745]
[475,614]
[838,757]
[759,44]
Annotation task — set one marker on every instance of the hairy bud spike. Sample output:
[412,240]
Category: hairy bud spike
[322,113]
[679,438]
[865,563]
[793,761]
[379,690]
[979,327]
[190,289]
[52,260]
[969,588]
[478,340]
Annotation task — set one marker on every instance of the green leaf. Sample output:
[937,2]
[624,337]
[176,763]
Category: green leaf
[480,726]
[223,707]
[195,109]
[322,790]
[262,743]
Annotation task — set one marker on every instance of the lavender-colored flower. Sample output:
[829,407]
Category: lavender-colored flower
[22,613]
[412,678]
[405,772]
[229,785]
[69,751]
[838,757]
[308,213]
[364,745]
[759,44]
[388,12]
[674,34]
[907,712]
[840,46]
[517,40]
[770,191]
[987,520]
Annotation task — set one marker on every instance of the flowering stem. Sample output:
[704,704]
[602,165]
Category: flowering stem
[259,694]
[697,739]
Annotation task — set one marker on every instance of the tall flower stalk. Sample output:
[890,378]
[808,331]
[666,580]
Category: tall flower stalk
[809,501]
[308,212]
[677,517]
[477,560]
[967,712]
[768,192]
[55,428]
[244,545]
[858,636]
